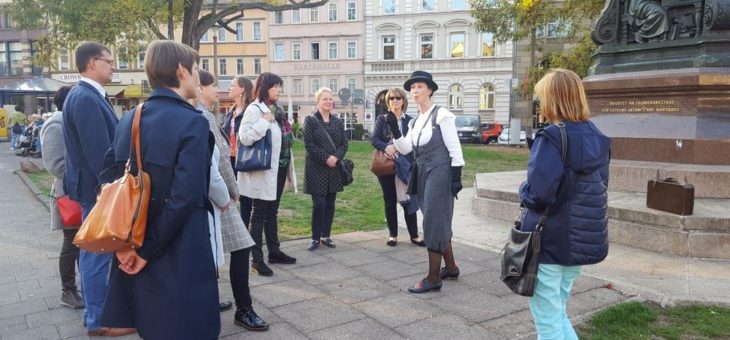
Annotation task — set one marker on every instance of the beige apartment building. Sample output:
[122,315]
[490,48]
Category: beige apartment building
[319,47]
[473,72]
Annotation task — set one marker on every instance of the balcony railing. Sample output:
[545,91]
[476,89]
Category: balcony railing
[393,66]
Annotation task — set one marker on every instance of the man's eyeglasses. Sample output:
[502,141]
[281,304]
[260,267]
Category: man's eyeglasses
[395,98]
[108,61]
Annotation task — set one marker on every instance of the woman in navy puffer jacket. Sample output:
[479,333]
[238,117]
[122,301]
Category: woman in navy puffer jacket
[576,231]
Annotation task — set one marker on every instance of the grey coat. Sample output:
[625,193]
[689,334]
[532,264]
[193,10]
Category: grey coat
[234,232]
[53,159]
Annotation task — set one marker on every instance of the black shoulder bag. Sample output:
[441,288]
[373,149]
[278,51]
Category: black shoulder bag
[521,253]
[346,166]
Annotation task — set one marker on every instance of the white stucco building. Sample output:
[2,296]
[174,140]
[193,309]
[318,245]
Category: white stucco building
[473,72]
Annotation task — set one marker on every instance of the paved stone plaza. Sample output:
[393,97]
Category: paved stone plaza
[356,291]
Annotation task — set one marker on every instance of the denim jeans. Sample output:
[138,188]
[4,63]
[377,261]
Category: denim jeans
[549,304]
[94,273]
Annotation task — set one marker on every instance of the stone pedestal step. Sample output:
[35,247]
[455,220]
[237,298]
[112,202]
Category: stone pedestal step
[710,181]
[706,233]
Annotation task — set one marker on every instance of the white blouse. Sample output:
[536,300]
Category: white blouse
[446,120]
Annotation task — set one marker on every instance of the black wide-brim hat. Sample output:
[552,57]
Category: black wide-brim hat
[421,76]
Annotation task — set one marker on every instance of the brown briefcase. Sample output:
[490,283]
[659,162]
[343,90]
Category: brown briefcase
[670,196]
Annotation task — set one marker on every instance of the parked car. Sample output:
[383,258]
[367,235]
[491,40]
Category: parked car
[504,137]
[490,132]
[467,126]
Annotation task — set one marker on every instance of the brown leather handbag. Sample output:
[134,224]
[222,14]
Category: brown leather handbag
[382,165]
[119,218]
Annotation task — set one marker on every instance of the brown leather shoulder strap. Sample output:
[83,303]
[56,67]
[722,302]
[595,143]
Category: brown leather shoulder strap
[135,144]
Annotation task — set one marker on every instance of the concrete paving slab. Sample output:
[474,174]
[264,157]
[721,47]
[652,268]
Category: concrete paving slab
[476,306]
[319,274]
[398,309]
[364,329]
[355,257]
[311,315]
[443,327]
[357,289]
[284,293]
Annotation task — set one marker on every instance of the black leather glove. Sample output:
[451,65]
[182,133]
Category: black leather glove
[456,180]
[393,125]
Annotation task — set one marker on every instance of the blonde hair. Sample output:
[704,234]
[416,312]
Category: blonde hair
[562,97]
[398,92]
[319,93]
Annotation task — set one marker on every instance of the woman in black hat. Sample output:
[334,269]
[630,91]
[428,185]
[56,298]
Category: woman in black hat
[433,139]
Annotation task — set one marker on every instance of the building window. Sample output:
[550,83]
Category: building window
[239,31]
[3,60]
[456,97]
[221,34]
[141,53]
[314,51]
[278,51]
[314,15]
[332,10]
[388,6]
[388,47]
[204,64]
[456,45]
[351,49]
[35,69]
[121,63]
[351,84]
[7,22]
[222,69]
[553,30]
[239,66]
[428,5]
[278,17]
[486,97]
[296,16]
[332,50]
[298,90]
[204,38]
[351,11]
[63,58]
[333,85]
[257,66]
[257,31]
[296,51]
[458,5]
[315,85]
[427,46]
[488,49]
[283,86]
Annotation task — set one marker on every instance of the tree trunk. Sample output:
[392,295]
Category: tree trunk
[190,34]
[170,23]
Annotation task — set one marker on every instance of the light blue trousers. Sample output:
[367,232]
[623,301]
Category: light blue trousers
[549,304]
[94,274]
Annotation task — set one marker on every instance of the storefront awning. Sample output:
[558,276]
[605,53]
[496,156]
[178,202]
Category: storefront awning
[114,90]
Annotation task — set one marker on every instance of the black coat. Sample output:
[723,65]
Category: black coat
[176,295]
[319,179]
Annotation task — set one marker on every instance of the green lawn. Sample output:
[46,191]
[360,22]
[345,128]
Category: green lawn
[635,320]
[42,181]
[360,206]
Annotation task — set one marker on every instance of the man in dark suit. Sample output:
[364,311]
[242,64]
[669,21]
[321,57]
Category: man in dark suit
[168,288]
[88,127]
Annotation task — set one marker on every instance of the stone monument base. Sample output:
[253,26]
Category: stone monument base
[676,116]
[704,234]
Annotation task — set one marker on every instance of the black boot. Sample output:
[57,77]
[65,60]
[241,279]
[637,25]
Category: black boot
[261,268]
[280,257]
[248,319]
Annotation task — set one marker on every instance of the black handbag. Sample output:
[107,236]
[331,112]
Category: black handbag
[255,157]
[346,166]
[521,254]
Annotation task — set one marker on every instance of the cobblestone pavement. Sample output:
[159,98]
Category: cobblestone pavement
[356,291]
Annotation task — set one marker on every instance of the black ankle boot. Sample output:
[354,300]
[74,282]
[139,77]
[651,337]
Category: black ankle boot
[261,268]
[248,319]
[280,257]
